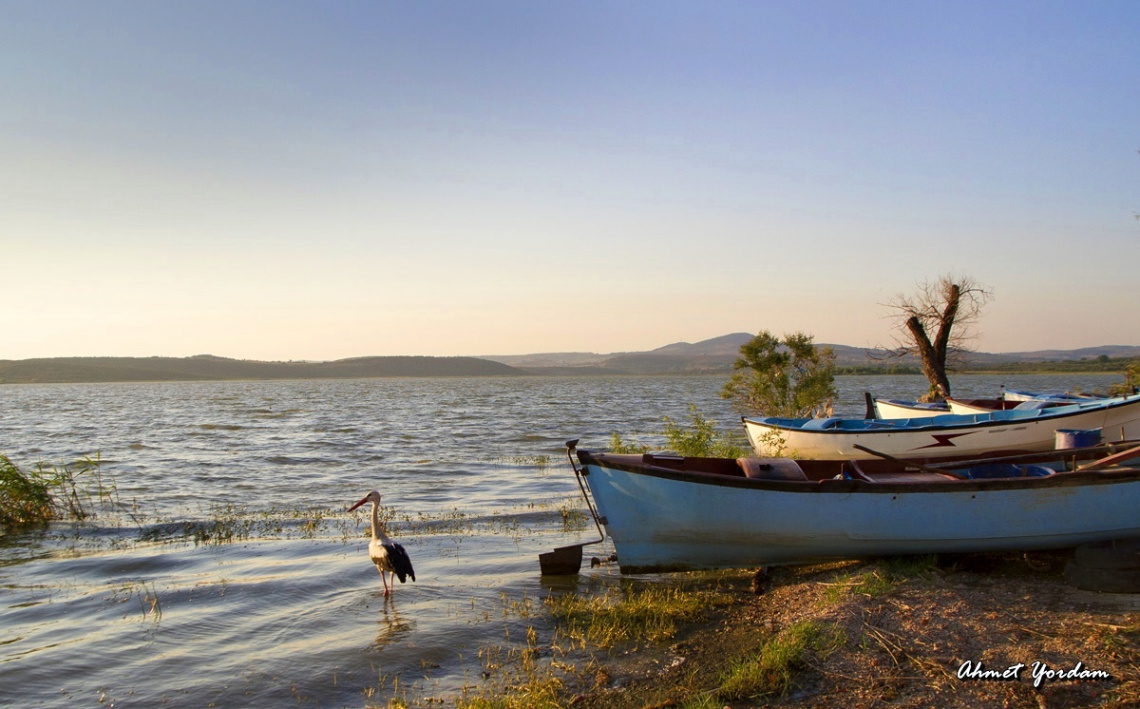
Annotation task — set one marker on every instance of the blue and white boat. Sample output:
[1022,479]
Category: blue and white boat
[902,409]
[676,514]
[899,409]
[1016,395]
[943,436]
[1019,400]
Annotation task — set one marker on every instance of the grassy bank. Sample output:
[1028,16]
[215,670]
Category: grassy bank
[908,632]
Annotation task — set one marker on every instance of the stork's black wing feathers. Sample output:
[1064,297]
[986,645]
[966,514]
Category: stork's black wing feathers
[401,564]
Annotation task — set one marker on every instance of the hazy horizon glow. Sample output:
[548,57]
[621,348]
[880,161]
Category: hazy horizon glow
[275,181]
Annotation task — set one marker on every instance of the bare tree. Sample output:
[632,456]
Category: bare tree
[947,308]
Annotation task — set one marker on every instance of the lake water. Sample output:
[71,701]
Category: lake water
[227,572]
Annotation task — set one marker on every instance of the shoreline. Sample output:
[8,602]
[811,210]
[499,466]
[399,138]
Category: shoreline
[964,630]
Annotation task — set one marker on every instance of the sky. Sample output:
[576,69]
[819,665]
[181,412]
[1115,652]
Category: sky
[284,180]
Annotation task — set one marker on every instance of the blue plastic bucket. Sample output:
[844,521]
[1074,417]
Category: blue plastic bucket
[1073,438]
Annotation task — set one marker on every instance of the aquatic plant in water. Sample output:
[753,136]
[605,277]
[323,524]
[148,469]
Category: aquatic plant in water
[49,492]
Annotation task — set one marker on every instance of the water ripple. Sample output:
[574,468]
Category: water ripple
[225,569]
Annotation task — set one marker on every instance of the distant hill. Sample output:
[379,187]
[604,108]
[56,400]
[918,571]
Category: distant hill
[714,356]
[723,346]
[711,356]
[211,368]
[717,355]
[1114,351]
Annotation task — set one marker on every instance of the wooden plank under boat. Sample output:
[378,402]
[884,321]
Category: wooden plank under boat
[668,513]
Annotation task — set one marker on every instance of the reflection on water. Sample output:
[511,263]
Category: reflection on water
[230,572]
[391,626]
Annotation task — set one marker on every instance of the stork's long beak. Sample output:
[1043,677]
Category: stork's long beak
[358,504]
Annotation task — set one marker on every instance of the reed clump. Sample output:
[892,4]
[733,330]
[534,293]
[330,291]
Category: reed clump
[25,498]
[46,493]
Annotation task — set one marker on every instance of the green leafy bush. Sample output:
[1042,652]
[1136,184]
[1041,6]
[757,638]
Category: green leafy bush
[790,377]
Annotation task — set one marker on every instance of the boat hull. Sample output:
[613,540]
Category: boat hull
[662,520]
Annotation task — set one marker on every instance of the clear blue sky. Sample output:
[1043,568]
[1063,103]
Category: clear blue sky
[310,180]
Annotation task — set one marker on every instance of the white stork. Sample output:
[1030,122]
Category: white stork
[386,554]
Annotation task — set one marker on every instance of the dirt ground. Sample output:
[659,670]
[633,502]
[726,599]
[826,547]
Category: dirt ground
[1009,620]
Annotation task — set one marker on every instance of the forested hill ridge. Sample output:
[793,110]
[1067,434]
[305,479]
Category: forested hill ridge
[211,368]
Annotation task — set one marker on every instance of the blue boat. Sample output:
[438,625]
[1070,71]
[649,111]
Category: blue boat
[667,513]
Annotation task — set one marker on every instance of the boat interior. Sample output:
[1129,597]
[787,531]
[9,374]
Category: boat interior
[1035,410]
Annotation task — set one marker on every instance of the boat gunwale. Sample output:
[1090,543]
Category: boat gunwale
[845,486]
[925,425]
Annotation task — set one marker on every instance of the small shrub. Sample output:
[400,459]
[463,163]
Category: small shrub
[703,438]
[619,445]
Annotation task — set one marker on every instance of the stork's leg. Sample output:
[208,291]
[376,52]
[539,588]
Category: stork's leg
[384,578]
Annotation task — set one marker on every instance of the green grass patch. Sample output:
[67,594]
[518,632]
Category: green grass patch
[882,577]
[902,568]
[773,670]
[537,692]
[627,613]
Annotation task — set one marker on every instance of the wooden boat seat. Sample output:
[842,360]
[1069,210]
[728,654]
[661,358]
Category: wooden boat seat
[821,424]
[852,471]
[909,476]
[771,469]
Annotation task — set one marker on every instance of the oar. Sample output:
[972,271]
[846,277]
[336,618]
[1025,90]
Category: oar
[1110,460]
[920,466]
